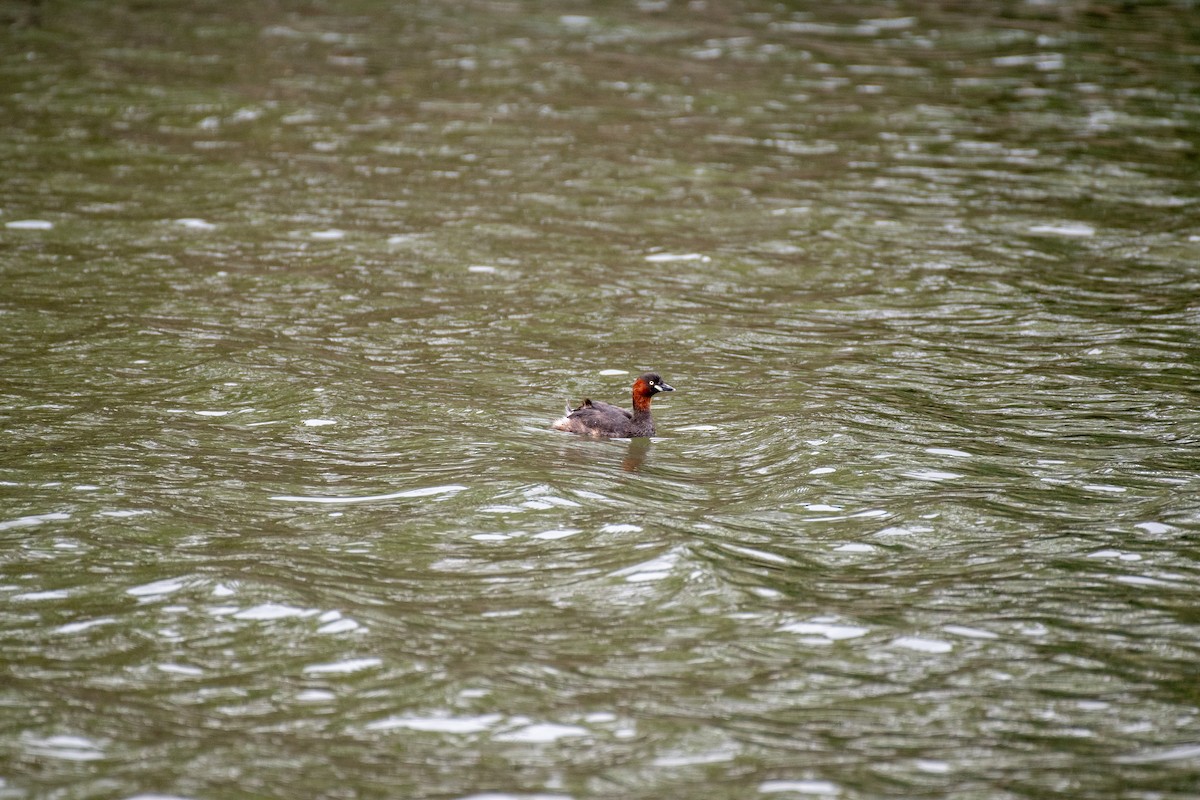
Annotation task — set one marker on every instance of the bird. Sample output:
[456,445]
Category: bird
[604,420]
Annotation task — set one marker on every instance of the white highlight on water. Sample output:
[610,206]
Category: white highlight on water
[1066,229]
[653,570]
[541,733]
[340,626]
[195,223]
[32,519]
[690,759]
[947,451]
[922,645]
[1180,753]
[50,594]
[557,533]
[343,667]
[799,787]
[427,491]
[334,622]
[931,475]
[272,611]
[1115,554]
[83,625]
[179,669]
[969,632]
[64,747]
[436,724]
[661,257]
[832,631]
[620,527]
[157,588]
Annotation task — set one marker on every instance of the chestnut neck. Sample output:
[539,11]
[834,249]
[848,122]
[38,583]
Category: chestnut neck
[641,396]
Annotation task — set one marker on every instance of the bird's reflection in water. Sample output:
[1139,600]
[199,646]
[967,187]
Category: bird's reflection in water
[636,454]
[636,451]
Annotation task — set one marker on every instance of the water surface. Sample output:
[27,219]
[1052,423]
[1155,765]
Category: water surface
[293,291]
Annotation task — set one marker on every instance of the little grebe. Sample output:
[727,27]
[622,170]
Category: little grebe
[594,418]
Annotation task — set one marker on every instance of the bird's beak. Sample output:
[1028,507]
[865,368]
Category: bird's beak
[666,387]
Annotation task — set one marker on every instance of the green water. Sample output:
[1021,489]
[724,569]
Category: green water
[291,293]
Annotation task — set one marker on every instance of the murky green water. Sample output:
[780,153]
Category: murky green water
[292,291]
